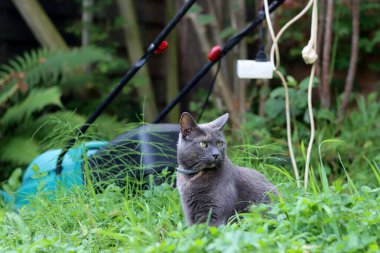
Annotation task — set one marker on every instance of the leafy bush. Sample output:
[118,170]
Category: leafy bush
[31,90]
[357,133]
[360,135]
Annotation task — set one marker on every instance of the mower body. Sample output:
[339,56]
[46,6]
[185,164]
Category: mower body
[146,151]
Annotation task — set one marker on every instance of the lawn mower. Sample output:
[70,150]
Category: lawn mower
[146,151]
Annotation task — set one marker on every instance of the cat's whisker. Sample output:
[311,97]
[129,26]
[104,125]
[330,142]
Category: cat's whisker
[195,164]
[199,166]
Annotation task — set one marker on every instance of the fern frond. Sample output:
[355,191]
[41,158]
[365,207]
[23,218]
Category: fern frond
[38,74]
[36,101]
[42,66]
[7,94]
[50,124]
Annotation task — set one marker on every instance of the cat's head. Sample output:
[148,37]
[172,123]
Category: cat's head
[201,146]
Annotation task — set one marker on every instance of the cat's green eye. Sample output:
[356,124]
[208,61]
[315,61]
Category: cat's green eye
[203,144]
[219,144]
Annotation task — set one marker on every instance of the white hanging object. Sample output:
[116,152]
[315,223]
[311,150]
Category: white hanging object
[308,54]
[251,69]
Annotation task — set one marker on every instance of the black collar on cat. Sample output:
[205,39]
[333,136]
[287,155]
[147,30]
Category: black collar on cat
[190,172]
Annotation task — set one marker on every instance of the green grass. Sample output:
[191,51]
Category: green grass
[338,217]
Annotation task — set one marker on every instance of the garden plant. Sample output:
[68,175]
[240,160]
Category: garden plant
[46,94]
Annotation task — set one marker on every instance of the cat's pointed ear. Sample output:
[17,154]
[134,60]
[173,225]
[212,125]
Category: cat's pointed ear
[188,124]
[219,122]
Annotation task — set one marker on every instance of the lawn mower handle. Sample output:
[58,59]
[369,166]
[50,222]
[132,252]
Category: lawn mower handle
[227,47]
[128,76]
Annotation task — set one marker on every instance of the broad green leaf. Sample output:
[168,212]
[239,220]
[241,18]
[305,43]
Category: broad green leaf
[196,8]
[19,150]
[325,114]
[304,84]
[274,107]
[291,81]
[206,19]
[226,32]
[277,92]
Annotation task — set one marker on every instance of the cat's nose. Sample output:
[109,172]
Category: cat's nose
[215,156]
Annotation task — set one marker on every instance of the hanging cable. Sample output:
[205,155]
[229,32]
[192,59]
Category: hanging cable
[205,103]
[261,56]
[284,83]
[310,57]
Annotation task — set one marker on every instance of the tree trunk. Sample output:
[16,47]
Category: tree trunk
[355,8]
[325,85]
[135,51]
[40,24]
[86,21]
[240,85]
[321,29]
[172,65]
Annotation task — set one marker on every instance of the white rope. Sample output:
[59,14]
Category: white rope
[287,25]
[310,56]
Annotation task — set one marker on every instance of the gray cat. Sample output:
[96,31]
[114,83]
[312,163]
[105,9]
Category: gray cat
[209,184]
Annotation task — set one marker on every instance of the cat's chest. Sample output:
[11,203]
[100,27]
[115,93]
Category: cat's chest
[203,183]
